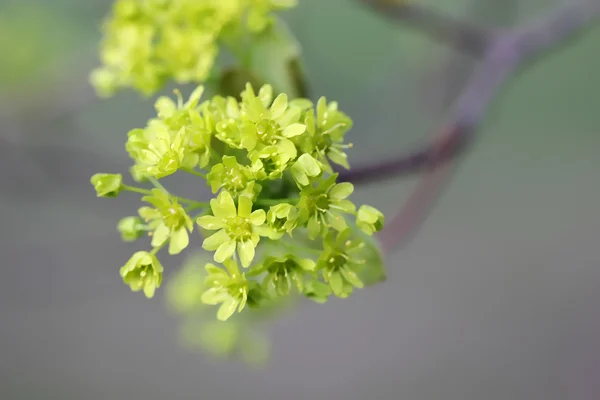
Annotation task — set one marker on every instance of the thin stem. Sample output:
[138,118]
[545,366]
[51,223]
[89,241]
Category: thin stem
[194,203]
[160,246]
[196,206]
[135,189]
[194,172]
[157,184]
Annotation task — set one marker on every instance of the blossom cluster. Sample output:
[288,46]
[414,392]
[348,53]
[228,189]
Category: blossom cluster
[279,221]
[148,42]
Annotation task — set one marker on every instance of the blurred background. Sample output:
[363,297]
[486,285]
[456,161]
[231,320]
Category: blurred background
[495,298]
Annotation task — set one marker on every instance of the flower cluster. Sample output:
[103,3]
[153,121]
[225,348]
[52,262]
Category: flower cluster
[148,42]
[279,221]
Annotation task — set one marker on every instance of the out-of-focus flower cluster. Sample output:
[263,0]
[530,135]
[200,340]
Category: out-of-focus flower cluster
[148,42]
[279,222]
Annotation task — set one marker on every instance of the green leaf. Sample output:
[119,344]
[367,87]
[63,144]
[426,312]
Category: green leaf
[275,60]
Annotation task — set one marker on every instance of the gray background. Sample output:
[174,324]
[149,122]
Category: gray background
[495,298]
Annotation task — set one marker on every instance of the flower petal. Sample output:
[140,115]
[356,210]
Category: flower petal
[246,252]
[223,206]
[227,309]
[294,130]
[179,241]
[336,283]
[244,206]
[337,221]
[351,277]
[225,251]
[214,296]
[213,242]
[258,217]
[279,106]
[341,190]
[160,235]
[210,222]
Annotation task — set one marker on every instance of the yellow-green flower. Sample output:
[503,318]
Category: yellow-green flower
[149,42]
[167,221]
[325,133]
[157,151]
[339,261]
[369,219]
[271,161]
[107,185]
[241,228]
[283,272]
[323,206]
[131,228]
[226,287]
[282,218]
[266,125]
[235,178]
[142,271]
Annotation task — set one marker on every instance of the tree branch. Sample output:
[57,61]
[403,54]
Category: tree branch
[504,56]
[460,34]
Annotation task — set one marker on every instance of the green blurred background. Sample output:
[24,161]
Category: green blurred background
[495,298]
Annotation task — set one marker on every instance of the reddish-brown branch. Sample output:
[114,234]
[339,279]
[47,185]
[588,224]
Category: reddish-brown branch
[504,55]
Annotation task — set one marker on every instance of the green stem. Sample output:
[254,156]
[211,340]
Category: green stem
[157,184]
[197,206]
[135,189]
[193,172]
[190,202]
[157,248]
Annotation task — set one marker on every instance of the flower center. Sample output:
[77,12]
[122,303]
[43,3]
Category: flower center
[323,142]
[336,261]
[234,179]
[239,228]
[322,202]
[270,165]
[266,130]
[172,216]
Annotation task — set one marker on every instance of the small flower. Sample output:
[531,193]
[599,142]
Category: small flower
[369,219]
[146,43]
[323,206]
[284,271]
[131,228]
[235,178]
[160,154]
[142,271]
[317,291]
[168,221]
[282,218]
[228,287]
[107,185]
[273,126]
[271,161]
[325,133]
[339,261]
[242,228]
[305,169]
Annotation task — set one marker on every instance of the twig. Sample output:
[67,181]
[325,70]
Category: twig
[506,54]
[460,34]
